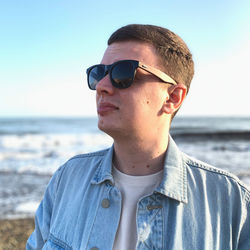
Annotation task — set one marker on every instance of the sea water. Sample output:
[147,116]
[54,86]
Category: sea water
[32,149]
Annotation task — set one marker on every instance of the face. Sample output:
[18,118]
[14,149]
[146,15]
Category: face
[135,111]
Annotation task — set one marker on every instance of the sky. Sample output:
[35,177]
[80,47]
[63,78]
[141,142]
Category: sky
[46,46]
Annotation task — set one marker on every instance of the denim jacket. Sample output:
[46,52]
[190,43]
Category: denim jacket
[195,207]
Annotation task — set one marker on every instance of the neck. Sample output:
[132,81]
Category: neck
[140,157]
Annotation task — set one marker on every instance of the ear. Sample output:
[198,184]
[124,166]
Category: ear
[175,98]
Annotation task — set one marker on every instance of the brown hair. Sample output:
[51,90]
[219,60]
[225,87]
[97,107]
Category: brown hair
[174,54]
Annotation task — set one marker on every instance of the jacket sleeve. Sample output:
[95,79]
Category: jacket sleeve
[43,215]
[244,241]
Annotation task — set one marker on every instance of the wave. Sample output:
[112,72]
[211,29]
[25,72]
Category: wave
[31,172]
[50,142]
[218,135]
[19,133]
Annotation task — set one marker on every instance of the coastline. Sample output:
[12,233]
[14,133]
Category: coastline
[15,232]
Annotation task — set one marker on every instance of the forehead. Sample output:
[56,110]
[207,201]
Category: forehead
[133,50]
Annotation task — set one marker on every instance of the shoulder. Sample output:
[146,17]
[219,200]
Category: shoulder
[82,166]
[215,178]
[88,156]
[85,160]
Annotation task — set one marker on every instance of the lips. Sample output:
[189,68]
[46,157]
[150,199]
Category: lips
[105,107]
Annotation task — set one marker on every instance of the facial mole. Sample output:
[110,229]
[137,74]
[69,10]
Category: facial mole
[148,166]
[147,102]
[133,166]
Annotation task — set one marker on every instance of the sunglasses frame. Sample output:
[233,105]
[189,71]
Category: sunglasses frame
[136,64]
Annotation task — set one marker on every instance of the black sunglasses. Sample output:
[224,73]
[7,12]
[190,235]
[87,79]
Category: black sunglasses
[122,73]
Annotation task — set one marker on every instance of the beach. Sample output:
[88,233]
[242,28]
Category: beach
[14,233]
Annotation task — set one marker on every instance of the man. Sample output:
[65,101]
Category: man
[143,192]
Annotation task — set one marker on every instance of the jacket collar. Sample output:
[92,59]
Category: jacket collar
[104,170]
[174,182]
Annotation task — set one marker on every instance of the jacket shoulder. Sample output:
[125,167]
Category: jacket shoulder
[218,175]
[100,153]
[80,162]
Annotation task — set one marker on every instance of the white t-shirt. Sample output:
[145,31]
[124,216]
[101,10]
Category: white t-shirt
[132,189]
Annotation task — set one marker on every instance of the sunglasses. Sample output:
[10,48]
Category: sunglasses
[122,73]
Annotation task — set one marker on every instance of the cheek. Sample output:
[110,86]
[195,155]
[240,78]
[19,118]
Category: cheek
[138,100]
[153,101]
[146,106]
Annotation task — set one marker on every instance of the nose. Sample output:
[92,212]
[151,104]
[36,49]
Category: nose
[105,86]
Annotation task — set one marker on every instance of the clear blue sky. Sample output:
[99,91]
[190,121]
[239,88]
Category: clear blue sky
[46,46]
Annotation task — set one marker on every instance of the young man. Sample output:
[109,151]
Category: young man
[143,192]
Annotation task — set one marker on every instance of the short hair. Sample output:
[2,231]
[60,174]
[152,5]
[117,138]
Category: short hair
[174,54]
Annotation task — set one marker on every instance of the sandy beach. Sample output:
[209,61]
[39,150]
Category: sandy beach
[14,233]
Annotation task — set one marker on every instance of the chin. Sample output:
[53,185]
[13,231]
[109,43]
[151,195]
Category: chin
[105,126]
[109,129]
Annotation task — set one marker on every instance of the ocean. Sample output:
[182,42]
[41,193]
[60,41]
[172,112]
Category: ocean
[31,150]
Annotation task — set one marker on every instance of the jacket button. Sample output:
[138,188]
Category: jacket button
[105,203]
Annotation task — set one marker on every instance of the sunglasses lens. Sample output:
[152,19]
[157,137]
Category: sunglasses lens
[95,75]
[122,74]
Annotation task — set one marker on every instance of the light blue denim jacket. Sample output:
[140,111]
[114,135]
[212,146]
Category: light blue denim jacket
[196,207]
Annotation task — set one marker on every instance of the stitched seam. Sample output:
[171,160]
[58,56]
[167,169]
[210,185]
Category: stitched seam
[87,155]
[163,225]
[206,167]
[222,173]
[58,179]
[59,242]
[248,197]
[184,182]
[202,165]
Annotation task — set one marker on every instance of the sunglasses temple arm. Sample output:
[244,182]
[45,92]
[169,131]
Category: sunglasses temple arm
[157,73]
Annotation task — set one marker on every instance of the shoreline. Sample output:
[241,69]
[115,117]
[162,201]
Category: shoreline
[15,232]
